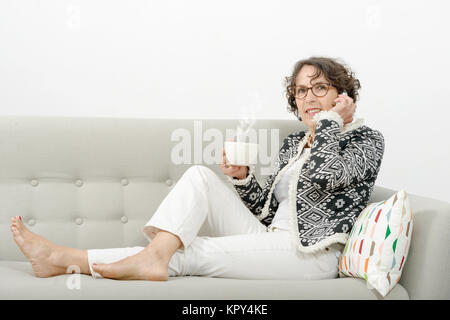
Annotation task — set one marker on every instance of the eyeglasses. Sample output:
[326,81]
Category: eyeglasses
[319,90]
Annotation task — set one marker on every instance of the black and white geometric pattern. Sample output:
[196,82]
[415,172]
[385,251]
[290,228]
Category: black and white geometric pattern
[333,187]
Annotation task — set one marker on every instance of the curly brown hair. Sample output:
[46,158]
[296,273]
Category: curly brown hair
[338,73]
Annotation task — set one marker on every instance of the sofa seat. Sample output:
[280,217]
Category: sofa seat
[18,282]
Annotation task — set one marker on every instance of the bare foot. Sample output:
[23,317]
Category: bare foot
[36,249]
[145,265]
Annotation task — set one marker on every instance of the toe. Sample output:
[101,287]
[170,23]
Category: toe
[16,235]
[16,221]
[21,225]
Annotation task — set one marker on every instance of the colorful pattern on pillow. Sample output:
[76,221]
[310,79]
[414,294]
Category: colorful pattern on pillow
[378,243]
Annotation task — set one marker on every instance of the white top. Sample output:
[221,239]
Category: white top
[282,218]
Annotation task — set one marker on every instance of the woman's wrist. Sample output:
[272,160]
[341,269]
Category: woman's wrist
[245,181]
[243,176]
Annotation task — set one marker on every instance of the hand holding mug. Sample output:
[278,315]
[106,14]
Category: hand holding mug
[230,170]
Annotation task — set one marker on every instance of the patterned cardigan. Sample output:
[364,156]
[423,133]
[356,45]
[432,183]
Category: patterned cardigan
[329,190]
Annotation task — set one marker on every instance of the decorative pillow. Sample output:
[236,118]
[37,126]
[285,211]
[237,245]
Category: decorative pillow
[378,243]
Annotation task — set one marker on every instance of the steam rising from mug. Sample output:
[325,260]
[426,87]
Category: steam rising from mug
[243,128]
[249,109]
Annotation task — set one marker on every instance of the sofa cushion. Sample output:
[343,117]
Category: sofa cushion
[379,242]
[18,282]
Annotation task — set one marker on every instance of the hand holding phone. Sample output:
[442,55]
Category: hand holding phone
[345,107]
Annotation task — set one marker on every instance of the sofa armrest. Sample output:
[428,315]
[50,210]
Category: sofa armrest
[425,274]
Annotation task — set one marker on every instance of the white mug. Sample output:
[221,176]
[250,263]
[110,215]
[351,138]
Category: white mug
[241,153]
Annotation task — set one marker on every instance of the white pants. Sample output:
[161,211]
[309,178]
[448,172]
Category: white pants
[239,245]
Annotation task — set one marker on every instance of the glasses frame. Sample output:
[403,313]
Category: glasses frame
[307,89]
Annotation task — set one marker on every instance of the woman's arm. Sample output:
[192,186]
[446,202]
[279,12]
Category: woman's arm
[250,191]
[331,167]
[253,196]
[245,183]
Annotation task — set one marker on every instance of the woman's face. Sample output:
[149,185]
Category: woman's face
[310,104]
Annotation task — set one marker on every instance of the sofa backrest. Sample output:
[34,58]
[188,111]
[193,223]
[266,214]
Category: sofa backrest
[95,182]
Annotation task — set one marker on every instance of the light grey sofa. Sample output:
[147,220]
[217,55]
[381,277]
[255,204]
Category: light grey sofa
[94,183]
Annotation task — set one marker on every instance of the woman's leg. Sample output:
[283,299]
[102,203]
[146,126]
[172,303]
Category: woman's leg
[47,259]
[138,263]
[199,197]
[269,256]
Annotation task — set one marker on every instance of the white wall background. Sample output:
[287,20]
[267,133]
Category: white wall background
[228,59]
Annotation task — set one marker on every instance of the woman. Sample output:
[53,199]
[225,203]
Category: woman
[292,228]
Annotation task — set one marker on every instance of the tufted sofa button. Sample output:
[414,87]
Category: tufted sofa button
[169,182]
[34,182]
[79,221]
[124,219]
[79,183]
[31,222]
[124,182]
